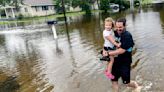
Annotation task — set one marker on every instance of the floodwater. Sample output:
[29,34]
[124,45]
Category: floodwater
[31,60]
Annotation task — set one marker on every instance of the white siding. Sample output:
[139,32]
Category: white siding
[71,9]
[40,11]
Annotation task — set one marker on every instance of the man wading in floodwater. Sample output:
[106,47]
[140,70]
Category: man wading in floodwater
[122,63]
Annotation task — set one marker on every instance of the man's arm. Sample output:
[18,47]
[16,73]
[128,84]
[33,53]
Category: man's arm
[117,52]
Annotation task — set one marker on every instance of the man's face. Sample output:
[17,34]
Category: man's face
[120,27]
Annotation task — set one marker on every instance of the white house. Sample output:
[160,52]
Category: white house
[40,7]
[30,8]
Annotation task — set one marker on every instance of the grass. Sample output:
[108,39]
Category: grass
[29,19]
[145,2]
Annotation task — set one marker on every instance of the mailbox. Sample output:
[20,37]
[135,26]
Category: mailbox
[51,22]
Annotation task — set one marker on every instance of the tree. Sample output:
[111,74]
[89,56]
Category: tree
[84,4]
[16,3]
[104,5]
[5,2]
[59,6]
[75,3]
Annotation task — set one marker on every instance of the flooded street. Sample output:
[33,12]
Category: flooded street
[31,60]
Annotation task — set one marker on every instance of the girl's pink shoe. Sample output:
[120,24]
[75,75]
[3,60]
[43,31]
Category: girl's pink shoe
[108,75]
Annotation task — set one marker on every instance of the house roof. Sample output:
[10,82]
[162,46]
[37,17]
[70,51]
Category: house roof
[38,2]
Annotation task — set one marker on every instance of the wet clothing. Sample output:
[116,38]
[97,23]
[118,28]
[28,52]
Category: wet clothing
[122,64]
[120,70]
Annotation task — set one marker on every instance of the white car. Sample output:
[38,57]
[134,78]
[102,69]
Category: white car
[114,7]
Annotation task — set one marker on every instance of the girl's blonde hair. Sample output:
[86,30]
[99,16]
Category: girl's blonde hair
[109,19]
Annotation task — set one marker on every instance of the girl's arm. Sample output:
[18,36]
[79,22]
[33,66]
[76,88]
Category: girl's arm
[112,40]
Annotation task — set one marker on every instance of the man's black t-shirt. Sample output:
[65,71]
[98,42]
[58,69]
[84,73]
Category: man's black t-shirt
[126,42]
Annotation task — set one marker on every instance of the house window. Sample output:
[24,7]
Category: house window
[25,9]
[36,8]
[44,8]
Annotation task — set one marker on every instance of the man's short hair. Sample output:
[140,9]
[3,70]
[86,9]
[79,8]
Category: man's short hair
[122,20]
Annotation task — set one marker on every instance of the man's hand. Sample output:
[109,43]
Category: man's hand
[105,53]
[118,45]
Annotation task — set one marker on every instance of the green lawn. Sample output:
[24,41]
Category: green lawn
[29,19]
[144,2]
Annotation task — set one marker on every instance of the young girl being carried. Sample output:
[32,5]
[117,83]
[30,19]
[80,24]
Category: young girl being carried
[109,44]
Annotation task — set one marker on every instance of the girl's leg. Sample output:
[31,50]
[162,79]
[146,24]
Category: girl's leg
[110,64]
[109,68]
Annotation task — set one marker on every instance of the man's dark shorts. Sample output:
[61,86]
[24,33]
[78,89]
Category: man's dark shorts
[121,70]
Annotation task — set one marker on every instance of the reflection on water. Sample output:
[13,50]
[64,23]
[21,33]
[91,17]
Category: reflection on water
[31,60]
[9,85]
[162,20]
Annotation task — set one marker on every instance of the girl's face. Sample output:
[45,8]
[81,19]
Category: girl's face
[108,25]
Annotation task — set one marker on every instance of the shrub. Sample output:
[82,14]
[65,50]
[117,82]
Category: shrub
[20,16]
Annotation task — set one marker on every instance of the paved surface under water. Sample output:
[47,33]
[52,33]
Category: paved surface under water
[31,60]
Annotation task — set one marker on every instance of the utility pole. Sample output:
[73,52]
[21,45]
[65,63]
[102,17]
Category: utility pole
[64,12]
[65,18]
[132,5]
[98,5]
